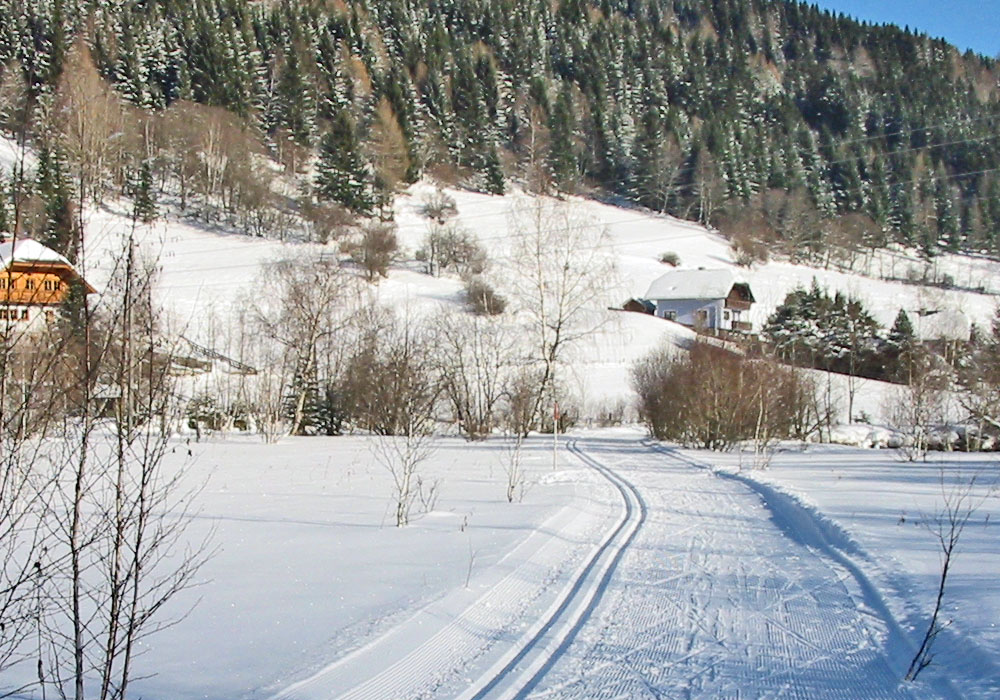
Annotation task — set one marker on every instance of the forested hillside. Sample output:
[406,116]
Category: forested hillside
[778,122]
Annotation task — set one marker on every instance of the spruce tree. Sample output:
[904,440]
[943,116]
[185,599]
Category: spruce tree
[53,187]
[341,174]
[143,197]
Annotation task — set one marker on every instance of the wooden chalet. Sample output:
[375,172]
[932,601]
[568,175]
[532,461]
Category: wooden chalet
[34,281]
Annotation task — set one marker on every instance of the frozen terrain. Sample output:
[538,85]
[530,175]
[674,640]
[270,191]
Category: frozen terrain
[204,273]
[629,570]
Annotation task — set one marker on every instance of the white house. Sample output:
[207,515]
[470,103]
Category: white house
[703,299]
[941,325]
[34,281]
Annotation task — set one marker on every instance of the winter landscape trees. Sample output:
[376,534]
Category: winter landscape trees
[843,137]
[92,527]
[777,123]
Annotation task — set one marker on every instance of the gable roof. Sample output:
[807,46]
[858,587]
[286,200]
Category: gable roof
[692,284]
[27,250]
[945,324]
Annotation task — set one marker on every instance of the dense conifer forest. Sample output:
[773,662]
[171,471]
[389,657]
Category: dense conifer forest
[786,126]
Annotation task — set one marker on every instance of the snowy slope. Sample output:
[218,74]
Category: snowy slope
[204,272]
[880,512]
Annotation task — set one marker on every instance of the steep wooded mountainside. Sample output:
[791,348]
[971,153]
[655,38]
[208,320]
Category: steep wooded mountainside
[807,129]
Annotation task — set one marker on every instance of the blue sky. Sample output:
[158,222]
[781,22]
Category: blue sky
[968,24]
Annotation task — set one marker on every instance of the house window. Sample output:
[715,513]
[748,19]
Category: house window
[49,285]
[49,316]
[725,315]
[24,314]
[3,314]
[670,315]
[3,283]
[29,283]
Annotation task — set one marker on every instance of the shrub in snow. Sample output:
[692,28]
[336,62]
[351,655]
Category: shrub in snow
[439,206]
[452,247]
[375,249]
[482,298]
[713,398]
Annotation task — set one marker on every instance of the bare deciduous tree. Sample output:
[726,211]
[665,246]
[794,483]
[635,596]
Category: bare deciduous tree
[314,299]
[960,500]
[403,414]
[561,268]
[87,114]
[713,398]
[375,249]
[916,407]
[513,465]
[475,363]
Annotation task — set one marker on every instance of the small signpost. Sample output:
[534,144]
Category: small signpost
[555,433]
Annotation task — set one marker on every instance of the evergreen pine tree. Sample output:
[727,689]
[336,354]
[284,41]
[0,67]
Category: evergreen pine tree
[143,197]
[562,160]
[341,174]
[52,185]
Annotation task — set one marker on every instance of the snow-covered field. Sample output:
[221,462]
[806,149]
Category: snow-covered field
[881,512]
[205,272]
[629,570]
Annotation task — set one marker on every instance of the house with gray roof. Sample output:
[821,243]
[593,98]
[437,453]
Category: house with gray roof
[711,300]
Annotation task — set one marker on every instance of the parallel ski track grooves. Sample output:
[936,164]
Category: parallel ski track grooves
[618,542]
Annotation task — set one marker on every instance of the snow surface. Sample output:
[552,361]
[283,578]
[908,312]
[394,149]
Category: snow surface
[628,570]
[876,510]
[28,250]
[692,284]
[631,569]
[205,272]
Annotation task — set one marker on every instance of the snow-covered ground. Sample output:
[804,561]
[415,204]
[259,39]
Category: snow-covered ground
[880,511]
[627,571]
[205,272]
[630,569]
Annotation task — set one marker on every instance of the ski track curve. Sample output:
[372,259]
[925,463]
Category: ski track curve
[714,598]
[522,667]
[430,666]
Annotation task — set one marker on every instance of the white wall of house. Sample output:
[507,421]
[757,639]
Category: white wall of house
[686,312]
[26,317]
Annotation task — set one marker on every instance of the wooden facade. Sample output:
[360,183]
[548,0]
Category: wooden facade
[739,298]
[33,282]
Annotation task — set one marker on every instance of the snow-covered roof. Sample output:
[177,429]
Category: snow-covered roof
[692,284]
[26,250]
[948,324]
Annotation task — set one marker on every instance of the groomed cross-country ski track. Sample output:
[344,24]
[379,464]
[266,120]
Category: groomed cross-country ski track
[663,579]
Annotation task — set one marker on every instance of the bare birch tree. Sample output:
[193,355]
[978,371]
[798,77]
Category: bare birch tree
[561,269]
[313,301]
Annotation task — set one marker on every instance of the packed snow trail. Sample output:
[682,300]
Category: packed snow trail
[551,635]
[685,587]
[562,564]
[713,599]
